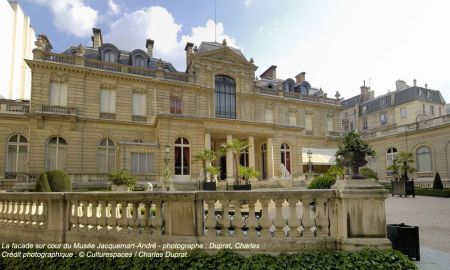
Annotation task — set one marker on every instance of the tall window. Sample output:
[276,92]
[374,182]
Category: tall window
[308,123]
[108,101]
[182,156]
[110,56]
[56,153]
[383,119]
[423,157]
[139,61]
[286,156]
[58,94]
[175,105]
[17,154]
[106,159]
[139,104]
[330,124]
[225,97]
[141,163]
[402,113]
[391,155]
[432,110]
[244,158]
[264,160]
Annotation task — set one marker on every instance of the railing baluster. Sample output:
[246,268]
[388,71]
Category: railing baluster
[293,220]
[279,222]
[210,222]
[265,221]
[306,221]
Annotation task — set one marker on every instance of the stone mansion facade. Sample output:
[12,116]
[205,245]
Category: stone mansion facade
[98,109]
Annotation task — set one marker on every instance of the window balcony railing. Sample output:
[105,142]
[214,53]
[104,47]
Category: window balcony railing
[58,110]
[107,115]
[299,96]
[334,133]
[14,107]
[139,118]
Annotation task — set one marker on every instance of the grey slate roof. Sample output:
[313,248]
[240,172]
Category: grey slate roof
[394,99]
[124,58]
[209,46]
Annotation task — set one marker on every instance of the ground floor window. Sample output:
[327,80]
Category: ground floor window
[286,156]
[423,156]
[141,163]
[56,153]
[17,154]
[182,156]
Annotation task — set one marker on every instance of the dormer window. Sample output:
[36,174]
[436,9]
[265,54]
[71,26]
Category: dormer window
[288,87]
[139,61]
[166,69]
[110,56]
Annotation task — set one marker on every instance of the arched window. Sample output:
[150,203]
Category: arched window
[270,86]
[423,159]
[244,158]
[182,156]
[264,161]
[17,154]
[106,158]
[139,61]
[225,97]
[286,156]
[391,155]
[56,153]
[110,56]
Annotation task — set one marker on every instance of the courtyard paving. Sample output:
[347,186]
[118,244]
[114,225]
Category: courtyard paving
[432,215]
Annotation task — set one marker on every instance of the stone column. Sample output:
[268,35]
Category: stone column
[270,166]
[251,154]
[208,147]
[230,177]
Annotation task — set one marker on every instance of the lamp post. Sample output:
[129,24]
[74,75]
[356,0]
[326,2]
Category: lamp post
[309,163]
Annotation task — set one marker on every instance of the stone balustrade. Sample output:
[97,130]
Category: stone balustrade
[292,95]
[14,107]
[262,221]
[104,65]
[413,127]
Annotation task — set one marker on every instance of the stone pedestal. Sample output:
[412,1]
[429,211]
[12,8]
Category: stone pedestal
[360,213]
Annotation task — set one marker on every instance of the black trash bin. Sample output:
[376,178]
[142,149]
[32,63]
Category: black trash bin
[405,239]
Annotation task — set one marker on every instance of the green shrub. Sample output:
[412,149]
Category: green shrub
[336,170]
[368,173]
[444,193]
[322,182]
[367,259]
[59,181]
[122,177]
[437,183]
[42,183]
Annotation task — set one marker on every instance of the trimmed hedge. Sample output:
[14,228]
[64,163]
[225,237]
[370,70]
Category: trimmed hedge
[437,183]
[59,181]
[42,183]
[322,182]
[363,260]
[445,193]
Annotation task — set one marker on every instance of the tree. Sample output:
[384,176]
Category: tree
[437,183]
[236,147]
[205,156]
[402,165]
[247,173]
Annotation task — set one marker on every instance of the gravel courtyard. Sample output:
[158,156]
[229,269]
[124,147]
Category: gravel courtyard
[431,214]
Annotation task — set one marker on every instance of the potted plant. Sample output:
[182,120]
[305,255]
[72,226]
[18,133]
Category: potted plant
[206,156]
[246,174]
[122,180]
[353,150]
[236,147]
[401,165]
[214,172]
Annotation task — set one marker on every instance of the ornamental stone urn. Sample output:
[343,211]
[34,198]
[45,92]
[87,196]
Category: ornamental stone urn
[355,160]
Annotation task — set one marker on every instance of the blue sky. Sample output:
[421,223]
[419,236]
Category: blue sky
[337,43]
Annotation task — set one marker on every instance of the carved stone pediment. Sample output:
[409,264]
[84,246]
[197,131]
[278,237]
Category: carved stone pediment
[227,55]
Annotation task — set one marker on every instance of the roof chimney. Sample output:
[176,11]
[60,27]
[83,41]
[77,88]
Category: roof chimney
[415,82]
[188,50]
[400,85]
[365,92]
[300,77]
[270,73]
[97,39]
[149,45]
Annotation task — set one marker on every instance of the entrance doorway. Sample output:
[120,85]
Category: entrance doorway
[223,168]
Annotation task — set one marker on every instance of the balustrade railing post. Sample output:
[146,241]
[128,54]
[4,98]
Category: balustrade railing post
[56,218]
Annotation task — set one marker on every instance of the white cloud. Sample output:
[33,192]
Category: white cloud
[132,29]
[72,16]
[248,2]
[114,7]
